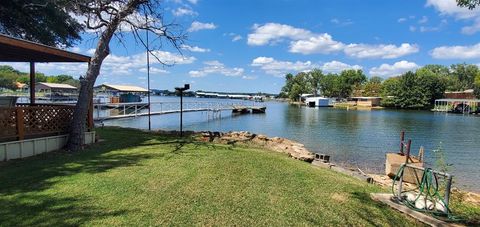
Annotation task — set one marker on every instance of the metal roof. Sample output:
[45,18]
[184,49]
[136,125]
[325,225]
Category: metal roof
[125,88]
[457,100]
[20,50]
[55,85]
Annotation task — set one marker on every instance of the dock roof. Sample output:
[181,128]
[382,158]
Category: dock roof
[57,86]
[457,100]
[124,88]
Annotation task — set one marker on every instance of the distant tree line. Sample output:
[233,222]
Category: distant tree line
[10,76]
[413,90]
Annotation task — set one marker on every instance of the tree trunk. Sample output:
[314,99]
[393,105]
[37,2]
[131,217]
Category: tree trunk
[79,122]
[78,125]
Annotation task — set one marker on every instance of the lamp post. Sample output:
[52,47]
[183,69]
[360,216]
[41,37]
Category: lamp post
[181,90]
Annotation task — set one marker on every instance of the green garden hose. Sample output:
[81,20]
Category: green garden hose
[428,193]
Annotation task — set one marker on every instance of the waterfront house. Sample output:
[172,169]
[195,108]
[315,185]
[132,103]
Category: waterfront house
[21,87]
[121,93]
[365,101]
[33,128]
[467,94]
[458,102]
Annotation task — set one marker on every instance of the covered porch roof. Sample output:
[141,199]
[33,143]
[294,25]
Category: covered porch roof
[19,50]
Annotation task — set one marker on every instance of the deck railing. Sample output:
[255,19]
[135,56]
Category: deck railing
[31,121]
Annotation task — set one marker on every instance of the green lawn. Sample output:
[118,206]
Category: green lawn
[137,178]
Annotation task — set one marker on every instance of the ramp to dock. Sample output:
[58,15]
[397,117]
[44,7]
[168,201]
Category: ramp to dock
[128,110]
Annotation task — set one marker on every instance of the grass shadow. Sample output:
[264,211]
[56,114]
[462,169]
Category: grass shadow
[374,212]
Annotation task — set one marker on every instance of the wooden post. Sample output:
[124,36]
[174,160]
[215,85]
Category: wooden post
[32,82]
[409,143]
[402,138]
[20,123]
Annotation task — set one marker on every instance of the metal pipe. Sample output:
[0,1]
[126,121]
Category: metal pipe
[181,113]
[447,189]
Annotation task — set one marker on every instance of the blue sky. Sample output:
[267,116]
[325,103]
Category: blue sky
[248,46]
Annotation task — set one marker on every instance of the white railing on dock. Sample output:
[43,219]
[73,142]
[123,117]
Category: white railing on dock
[123,110]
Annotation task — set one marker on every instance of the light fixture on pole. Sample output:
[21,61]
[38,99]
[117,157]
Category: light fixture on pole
[181,90]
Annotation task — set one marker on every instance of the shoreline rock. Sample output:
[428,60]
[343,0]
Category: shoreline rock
[293,149]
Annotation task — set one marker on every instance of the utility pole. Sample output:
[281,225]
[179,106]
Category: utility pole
[148,78]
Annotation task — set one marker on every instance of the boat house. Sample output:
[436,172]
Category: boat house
[55,88]
[32,128]
[463,102]
[365,101]
[318,102]
[121,93]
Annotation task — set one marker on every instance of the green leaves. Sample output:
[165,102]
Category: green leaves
[330,85]
[44,21]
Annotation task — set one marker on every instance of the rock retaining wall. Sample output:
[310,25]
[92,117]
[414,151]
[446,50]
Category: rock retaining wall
[292,148]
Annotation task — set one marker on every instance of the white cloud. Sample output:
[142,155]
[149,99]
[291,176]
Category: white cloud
[442,24]
[249,77]
[154,70]
[182,11]
[341,22]
[194,48]
[423,20]
[380,51]
[193,1]
[280,68]
[90,51]
[216,67]
[401,20]
[197,26]
[386,70]
[113,65]
[472,29]
[306,42]
[323,44]
[272,32]
[236,38]
[450,8]
[336,66]
[412,28]
[457,52]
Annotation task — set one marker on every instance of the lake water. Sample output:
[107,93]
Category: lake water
[352,137]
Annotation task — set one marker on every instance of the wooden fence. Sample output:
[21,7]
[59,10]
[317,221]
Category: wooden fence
[31,121]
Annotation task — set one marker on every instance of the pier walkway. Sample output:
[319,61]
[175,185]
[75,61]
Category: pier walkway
[113,111]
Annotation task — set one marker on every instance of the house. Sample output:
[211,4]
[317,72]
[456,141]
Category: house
[366,101]
[467,94]
[21,86]
[121,93]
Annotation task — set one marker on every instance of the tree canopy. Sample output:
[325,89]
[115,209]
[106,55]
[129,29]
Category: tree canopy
[411,90]
[9,76]
[470,4]
[45,21]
